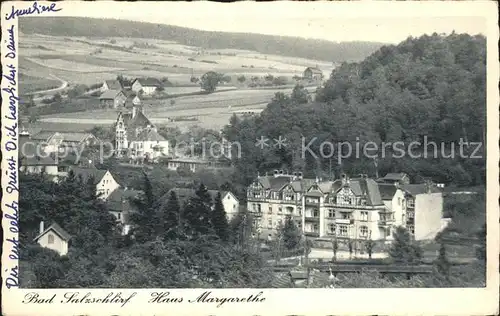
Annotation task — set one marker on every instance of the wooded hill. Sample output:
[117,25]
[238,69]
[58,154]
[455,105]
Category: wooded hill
[266,44]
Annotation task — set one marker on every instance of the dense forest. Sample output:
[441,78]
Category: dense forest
[266,44]
[428,88]
[170,245]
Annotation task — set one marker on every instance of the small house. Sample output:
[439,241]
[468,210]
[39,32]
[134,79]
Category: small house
[112,99]
[119,204]
[313,73]
[54,237]
[104,181]
[111,85]
[148,86]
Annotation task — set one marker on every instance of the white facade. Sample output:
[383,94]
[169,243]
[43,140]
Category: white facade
[231,205]
[146,90]
[52,240]
[150,149]
[106,185]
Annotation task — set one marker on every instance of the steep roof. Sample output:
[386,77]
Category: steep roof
[395,176]
[120,196]
[110,94]
[275,183]
[149,135]
[420,188]
[149,82]
[366,187]
[29,153]
[113,84]
[58,230]
[74,137]
[42,135]
[87,173]
[387,190]
[314,70]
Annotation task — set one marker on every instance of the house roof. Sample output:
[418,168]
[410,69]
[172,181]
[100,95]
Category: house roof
[387,190]
[149,82]
[149,135]
[395,176]
[364,187]
[87,173]
[58,230]
[113,84]
[120,196]
[314,70]
[30,154]
[42,135]
[421,188]
[73,137]
[110,94]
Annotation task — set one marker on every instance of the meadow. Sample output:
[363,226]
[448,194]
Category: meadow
[28,84]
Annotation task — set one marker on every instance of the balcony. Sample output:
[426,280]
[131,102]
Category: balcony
[312,218]
[256,214]
[311,202]
[385,221]
[344,221]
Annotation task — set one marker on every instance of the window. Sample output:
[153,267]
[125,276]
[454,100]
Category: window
[345,215]
[411,228]
[331,213]
[343,230]
[315,228]
[364,216]
[270,211]
[51,239]
[228,197]
[363,231]
[331,229]
[280,210]
[315,213]
[119,215]
[270,224]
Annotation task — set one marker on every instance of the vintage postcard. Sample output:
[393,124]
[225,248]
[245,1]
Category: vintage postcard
[279,158]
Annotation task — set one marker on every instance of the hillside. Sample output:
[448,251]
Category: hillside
[266,44]
[429,88]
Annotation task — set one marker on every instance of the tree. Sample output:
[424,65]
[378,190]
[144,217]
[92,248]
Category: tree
[370,244]
[172,217]
[403,249]
[197,214]
[290,233]
[219,219]
[241,79]
[299,94]
[210,80]
[146,224]
[442,263]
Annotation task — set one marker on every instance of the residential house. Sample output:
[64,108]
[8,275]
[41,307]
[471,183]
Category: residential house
[187,163]
[120,205]
[347,208]
[137,136]
[54,237]
[419,208]
[229,200]
[111,85]
[313,73]
[63,142]
[104,181]
[112,99]
[393,178]
[34,160]
[148,86]
[271,198]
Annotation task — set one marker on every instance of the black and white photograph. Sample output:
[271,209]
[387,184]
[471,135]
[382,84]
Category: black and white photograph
[169,149]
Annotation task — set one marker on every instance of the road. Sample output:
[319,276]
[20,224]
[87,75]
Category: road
[64,85]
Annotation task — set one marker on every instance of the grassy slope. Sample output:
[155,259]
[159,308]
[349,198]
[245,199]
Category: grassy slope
[287,46]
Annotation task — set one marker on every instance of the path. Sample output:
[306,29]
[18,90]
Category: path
[63,86]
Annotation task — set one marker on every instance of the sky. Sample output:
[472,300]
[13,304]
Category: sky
[349,21]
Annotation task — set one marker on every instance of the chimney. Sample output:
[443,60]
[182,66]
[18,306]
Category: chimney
[42,229]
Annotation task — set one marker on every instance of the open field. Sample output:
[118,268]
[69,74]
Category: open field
[81,60]
[28,84]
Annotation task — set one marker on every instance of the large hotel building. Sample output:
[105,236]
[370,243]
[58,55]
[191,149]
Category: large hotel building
[346,208]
